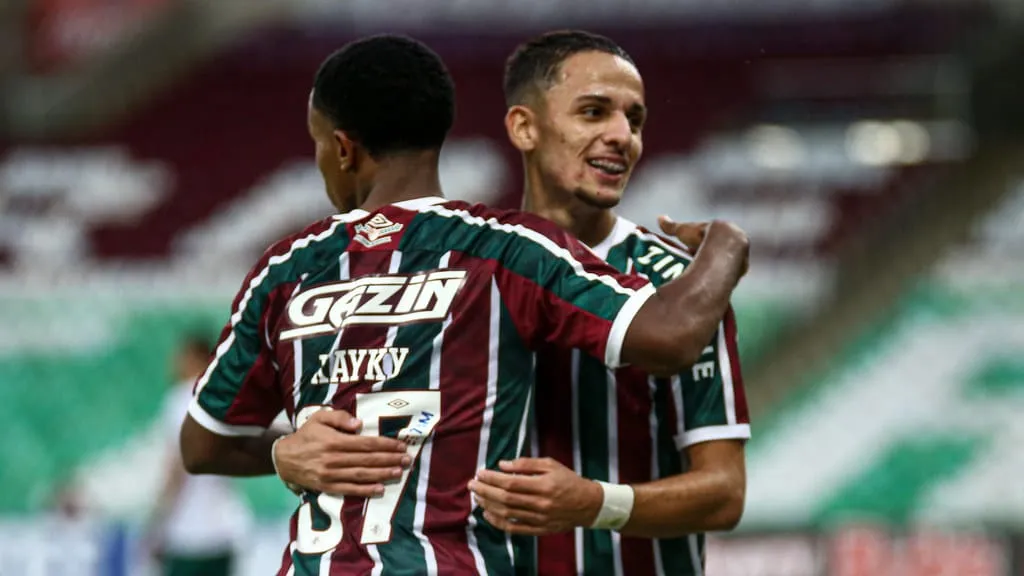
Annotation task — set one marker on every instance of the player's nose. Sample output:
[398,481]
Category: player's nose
[618,133]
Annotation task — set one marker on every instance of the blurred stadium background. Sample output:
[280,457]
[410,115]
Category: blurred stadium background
[874,150]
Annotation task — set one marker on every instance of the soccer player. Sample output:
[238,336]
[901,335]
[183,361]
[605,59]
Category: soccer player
[576,111]
[420,316]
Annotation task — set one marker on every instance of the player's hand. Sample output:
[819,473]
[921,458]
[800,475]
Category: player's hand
[326,454]
[536,496]
[692,235]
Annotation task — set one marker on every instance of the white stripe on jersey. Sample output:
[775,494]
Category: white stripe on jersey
[236,316]
[493,339]
[428,447]
[577,456]
[698,569]
[371,549]
[297,372]
[728,392]
[613,458]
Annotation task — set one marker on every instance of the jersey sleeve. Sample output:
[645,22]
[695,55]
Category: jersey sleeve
[559,292]
[709,399]
[238,394]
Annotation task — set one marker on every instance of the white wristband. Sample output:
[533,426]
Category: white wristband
[616,507]
[273,459]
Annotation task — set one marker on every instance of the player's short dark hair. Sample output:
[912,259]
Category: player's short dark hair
[536,62]
[388,92]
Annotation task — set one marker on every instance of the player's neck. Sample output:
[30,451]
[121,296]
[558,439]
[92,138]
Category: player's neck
[591,225]
[403,177]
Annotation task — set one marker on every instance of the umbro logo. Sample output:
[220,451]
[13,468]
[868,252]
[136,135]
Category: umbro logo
[376,231]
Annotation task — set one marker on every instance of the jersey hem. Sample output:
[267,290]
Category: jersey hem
[710,433]
[617,335]
[214,425]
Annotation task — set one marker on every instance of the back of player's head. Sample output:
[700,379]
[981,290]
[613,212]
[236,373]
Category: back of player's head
[389,93]
[535,63]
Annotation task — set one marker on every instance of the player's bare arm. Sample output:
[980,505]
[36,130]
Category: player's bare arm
[325,454]
[536,496]
[206,452]
[674,325]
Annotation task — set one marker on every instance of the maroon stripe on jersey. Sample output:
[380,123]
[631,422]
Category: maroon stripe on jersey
[570,326]
[738,391]
[634,403]
[556,553]
[350,557]
[250,405]
[456,443]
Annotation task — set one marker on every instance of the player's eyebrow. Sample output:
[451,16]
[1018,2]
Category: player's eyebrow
[595,98]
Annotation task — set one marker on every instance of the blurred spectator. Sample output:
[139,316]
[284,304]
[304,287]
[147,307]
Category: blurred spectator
[198,521]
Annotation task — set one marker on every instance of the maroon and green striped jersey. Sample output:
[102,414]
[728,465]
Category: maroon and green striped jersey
[422,319]
[625,426]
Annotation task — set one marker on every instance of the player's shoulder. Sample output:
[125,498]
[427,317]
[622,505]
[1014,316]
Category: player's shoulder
[316,231]
[521,225]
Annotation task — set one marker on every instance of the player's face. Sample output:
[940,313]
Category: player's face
[589,128]
[340,183]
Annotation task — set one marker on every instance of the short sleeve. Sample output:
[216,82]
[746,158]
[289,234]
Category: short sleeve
[559,292]
[238,394]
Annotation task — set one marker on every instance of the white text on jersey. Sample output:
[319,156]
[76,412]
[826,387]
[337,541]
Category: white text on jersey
[357,365]
[387,300]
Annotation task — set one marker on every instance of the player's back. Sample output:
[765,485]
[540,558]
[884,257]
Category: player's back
[421,319]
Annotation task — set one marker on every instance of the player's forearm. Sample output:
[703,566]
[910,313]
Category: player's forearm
[676,324]
[699,501]
[204,452]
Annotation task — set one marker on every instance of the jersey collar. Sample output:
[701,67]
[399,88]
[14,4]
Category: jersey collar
[415,204]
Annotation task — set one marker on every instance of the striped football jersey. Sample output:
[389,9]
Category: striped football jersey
[625,426]
[422,319]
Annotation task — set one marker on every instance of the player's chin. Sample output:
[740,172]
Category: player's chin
[600,196]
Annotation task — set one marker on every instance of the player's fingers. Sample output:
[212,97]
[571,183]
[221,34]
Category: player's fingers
[363,475]
[511,483]
[506,525]
[339,419]
[353,443]
[349,489]
[526,465]
[483,491]
[506,498]
[667,225]
[368,460]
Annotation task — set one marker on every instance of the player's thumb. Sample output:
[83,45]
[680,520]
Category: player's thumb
[668,225]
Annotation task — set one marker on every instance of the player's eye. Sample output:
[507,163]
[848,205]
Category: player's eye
[592,112]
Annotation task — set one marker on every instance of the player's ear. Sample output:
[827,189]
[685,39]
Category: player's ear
[521,126]
[346,151]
